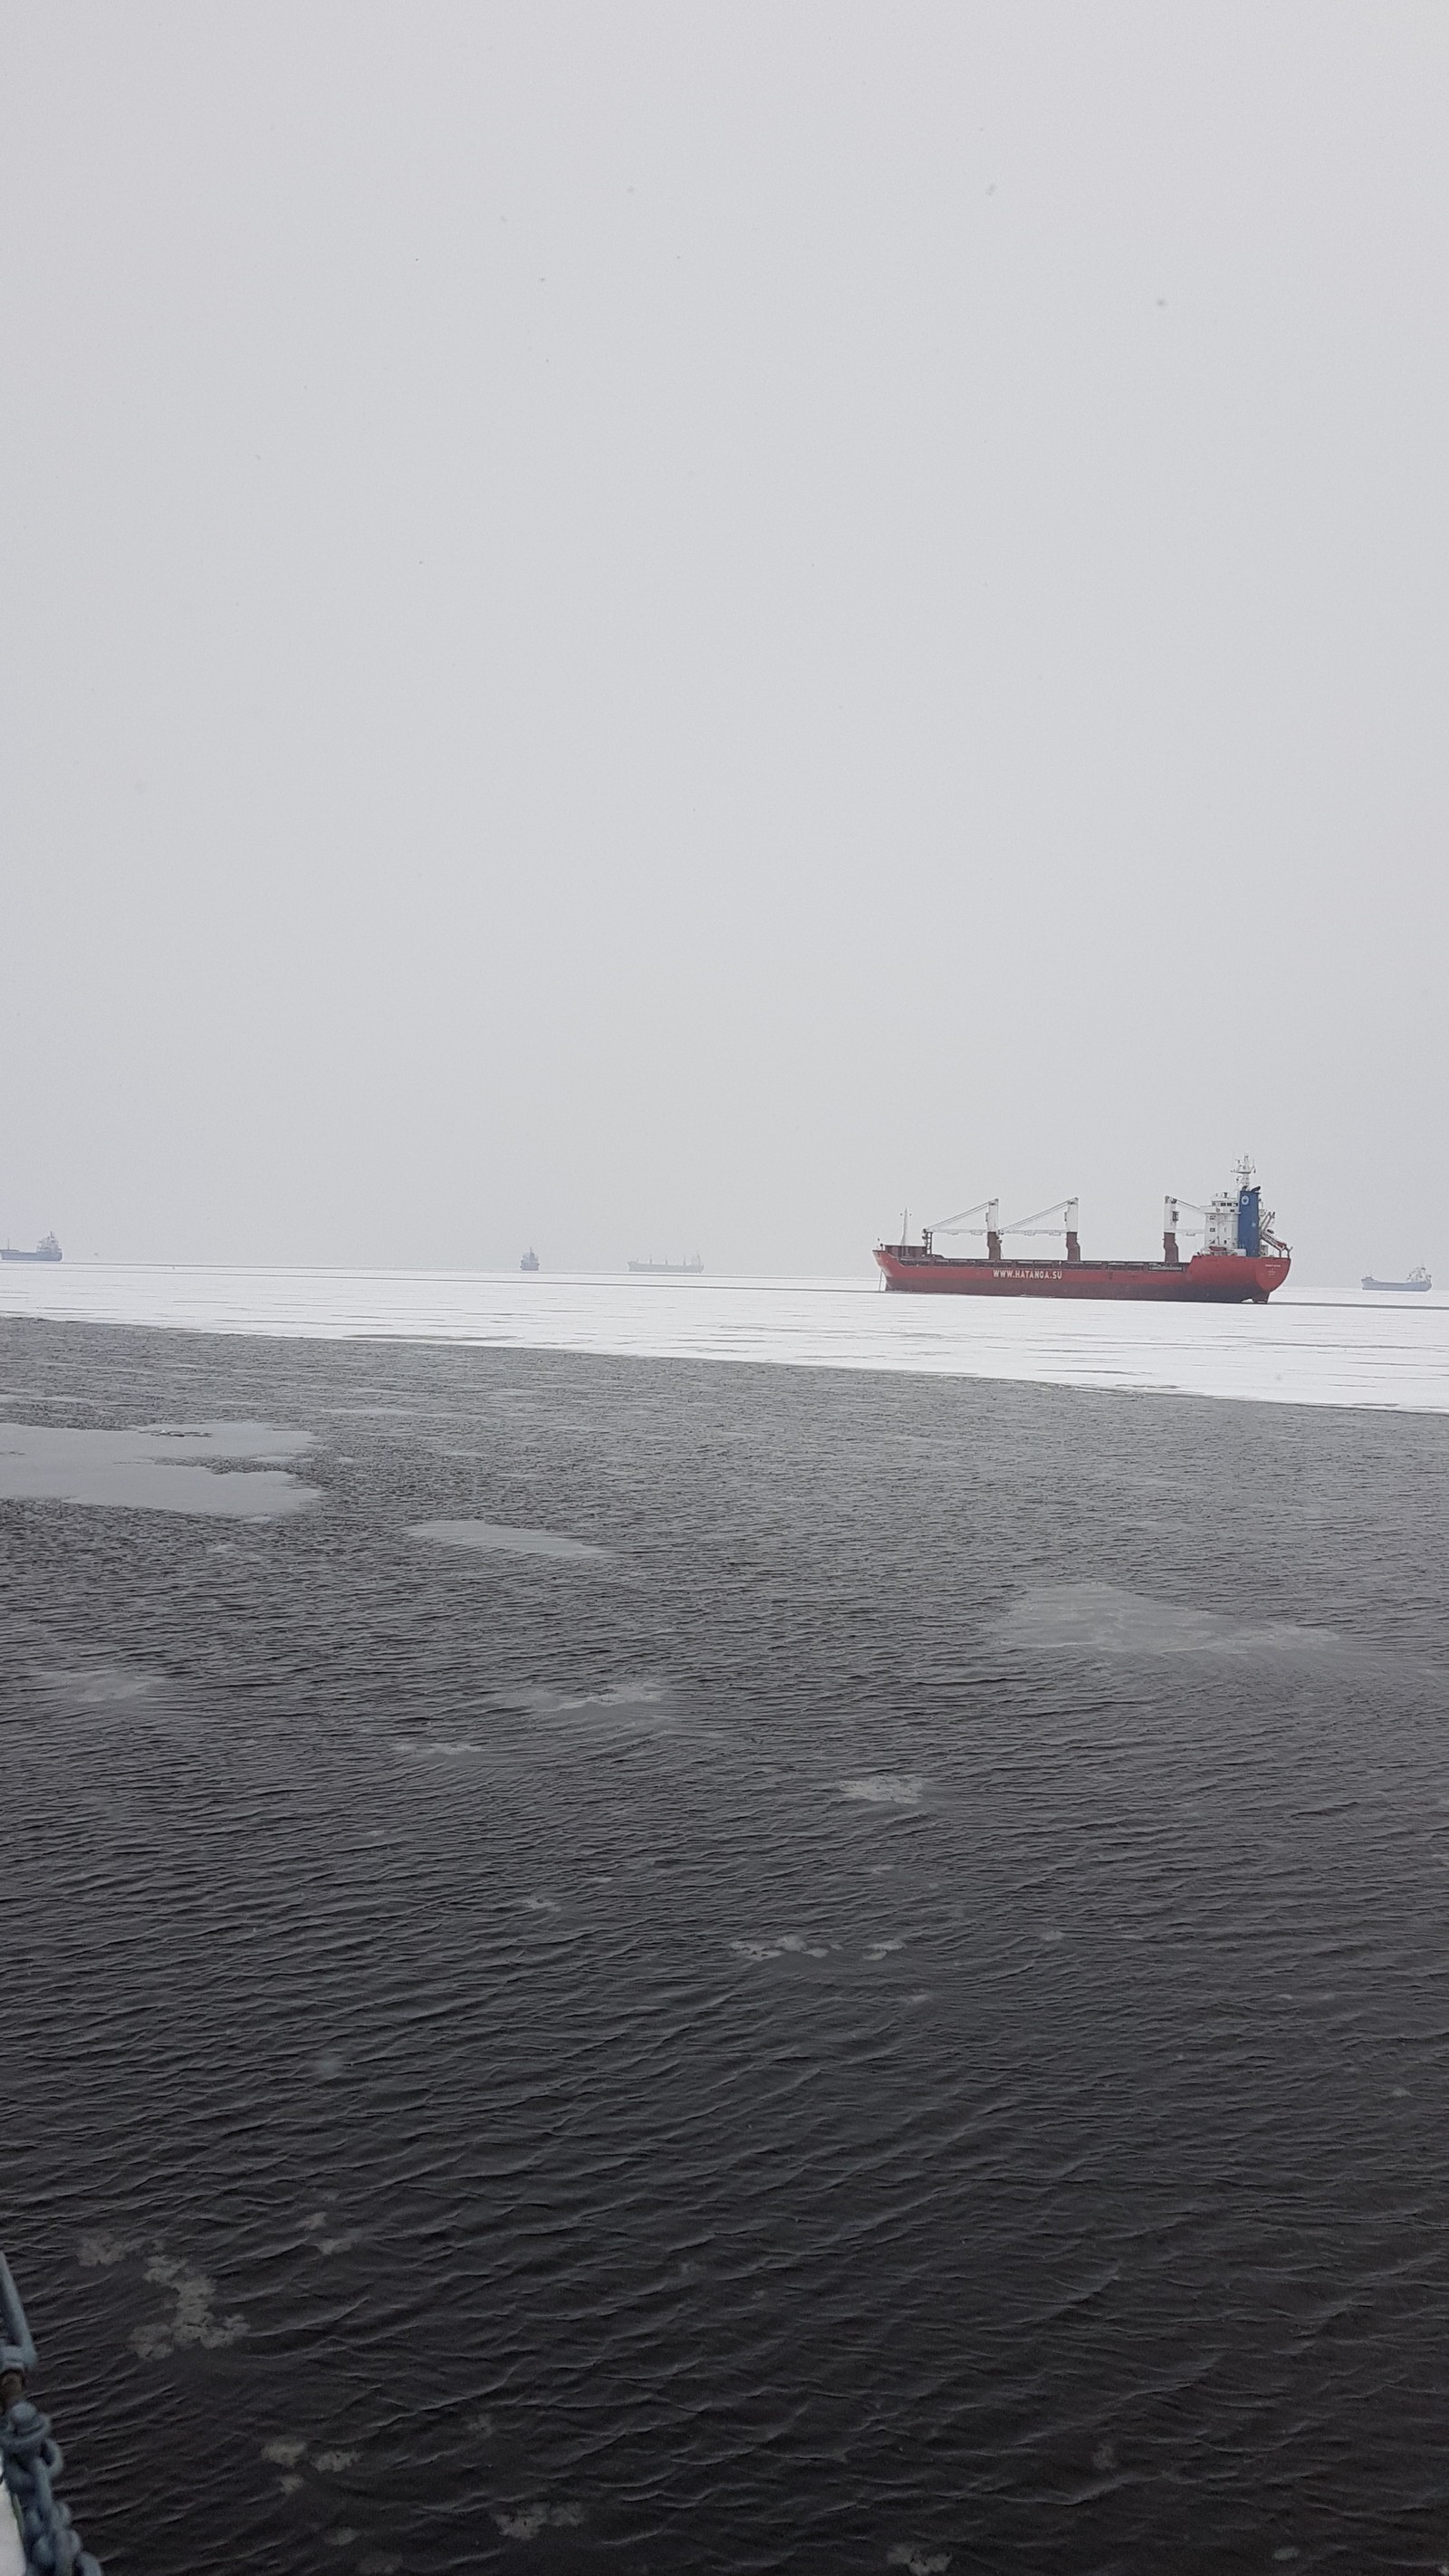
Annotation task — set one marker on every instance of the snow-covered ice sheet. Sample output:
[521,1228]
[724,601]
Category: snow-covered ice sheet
[1304,1348]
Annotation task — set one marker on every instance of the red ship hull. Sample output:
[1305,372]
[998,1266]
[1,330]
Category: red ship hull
[1208,1279]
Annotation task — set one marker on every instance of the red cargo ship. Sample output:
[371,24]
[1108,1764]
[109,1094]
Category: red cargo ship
[1241,1263]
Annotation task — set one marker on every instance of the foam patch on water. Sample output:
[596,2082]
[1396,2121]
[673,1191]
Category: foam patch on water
[1098,1619]
[155,1468]
[918,2562]
[495,1538]
[793,1945]
[886,1788]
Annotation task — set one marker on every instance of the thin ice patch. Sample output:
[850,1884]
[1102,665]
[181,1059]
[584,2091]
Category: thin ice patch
[155,1468]
[106,1686]
[793,1945]
[494,1538]
[531,2519]
[437,1749]
[1100,1619]
[616,1695]
[886,1788]
[109,2249]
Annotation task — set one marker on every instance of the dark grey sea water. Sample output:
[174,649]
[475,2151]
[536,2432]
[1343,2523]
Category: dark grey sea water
[892,2016]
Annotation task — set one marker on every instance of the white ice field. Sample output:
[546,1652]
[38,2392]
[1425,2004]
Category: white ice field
[1306,1347]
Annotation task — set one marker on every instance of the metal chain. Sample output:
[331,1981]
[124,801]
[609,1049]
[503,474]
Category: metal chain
[30,2458]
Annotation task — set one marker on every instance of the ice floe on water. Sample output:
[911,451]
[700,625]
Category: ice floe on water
[156,1468]
[613,1695]
[495,1538]
[614,1712]
[312,2237]
[192,2319]
[792,1945]
[101,2247]
[1099,1619]
[107,1686]
[886,1788]
[436,1748]
[532,2519]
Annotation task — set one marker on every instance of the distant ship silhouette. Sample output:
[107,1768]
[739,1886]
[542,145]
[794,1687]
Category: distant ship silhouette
[46,1250]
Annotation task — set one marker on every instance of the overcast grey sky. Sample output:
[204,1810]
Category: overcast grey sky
[669,626]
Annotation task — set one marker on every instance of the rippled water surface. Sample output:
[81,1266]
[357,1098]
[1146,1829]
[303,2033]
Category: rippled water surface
[884,2008]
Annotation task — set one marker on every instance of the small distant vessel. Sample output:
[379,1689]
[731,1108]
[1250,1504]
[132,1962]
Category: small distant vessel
[670,1269]
[530,1260]
[46,1250]
[1240,1264]
[1414,1285]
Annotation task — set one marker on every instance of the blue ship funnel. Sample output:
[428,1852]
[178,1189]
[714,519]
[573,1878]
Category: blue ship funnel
[1250,1222]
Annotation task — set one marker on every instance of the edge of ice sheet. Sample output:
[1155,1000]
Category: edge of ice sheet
[1303,1349]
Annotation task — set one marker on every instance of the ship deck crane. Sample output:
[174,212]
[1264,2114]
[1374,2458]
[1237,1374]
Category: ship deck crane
[993,1229]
